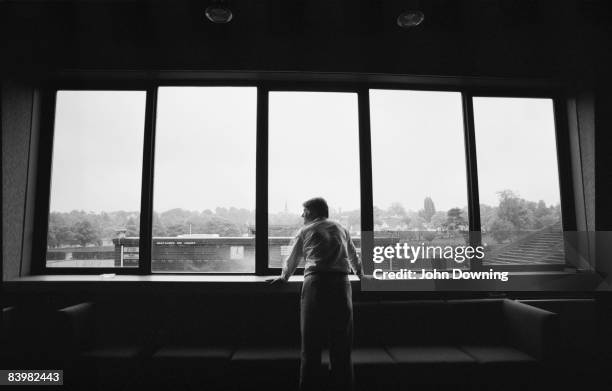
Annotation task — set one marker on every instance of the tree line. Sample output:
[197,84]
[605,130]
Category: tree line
[80,228]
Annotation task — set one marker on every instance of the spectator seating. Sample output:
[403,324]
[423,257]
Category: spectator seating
[5,330]
[106,354]
[31,338]
[247,344]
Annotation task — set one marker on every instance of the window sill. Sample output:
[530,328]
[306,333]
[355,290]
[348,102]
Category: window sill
[192,283]
[541,281]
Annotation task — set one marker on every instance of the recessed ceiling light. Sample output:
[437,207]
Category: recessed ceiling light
[219,13]
[410,19]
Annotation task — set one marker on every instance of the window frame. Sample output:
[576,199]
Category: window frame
[44,171]
[261,131]
[294,82]
[566,194]
[284,87]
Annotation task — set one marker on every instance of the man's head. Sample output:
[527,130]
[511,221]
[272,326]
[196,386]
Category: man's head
[315,208]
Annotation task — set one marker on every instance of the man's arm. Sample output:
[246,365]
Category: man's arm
[294,257]
[352,254]
[292,260]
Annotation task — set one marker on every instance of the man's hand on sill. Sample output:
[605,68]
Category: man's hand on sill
[277,280]
[281,280]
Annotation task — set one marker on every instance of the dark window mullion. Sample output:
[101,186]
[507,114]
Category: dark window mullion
[475,236]
[365,175]
[261,184]
[146,195]
[566,184]
[43,184]
[566,178]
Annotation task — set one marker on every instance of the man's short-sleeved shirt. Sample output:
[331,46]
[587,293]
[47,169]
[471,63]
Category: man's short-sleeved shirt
[326,246]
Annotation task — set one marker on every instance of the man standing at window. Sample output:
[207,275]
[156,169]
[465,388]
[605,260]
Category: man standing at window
[326,311]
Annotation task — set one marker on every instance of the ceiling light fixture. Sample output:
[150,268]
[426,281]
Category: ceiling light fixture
[218,12]
[410,19]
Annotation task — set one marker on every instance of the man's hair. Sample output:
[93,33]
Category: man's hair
[317,207]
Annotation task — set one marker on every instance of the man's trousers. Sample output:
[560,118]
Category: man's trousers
[326,319]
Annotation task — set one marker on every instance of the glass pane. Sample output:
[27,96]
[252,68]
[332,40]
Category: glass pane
[96,179]
[518,179]
[204,198]
[313,152]
[418,175]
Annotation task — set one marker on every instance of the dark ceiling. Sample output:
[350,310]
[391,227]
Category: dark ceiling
[533,38]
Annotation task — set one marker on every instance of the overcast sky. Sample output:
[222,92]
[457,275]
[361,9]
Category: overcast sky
[314,149]
[516,148]
[97,151]
[205,149]
[417,148]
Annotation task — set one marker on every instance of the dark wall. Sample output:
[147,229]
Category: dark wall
[564,40]
[16,124]
[543,38]
[603,184]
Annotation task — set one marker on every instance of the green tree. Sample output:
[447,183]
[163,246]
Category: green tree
[131,227]
[66,236]
[541,210]
[515,210]
[455,220]
[378,215]
[221,226]
[396,209]
[177,229]
[354,219]
[501,230]
[85,233]
[158,226]
[438,220]
[56,223]
[416,223]
[428,210]
[488,214]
